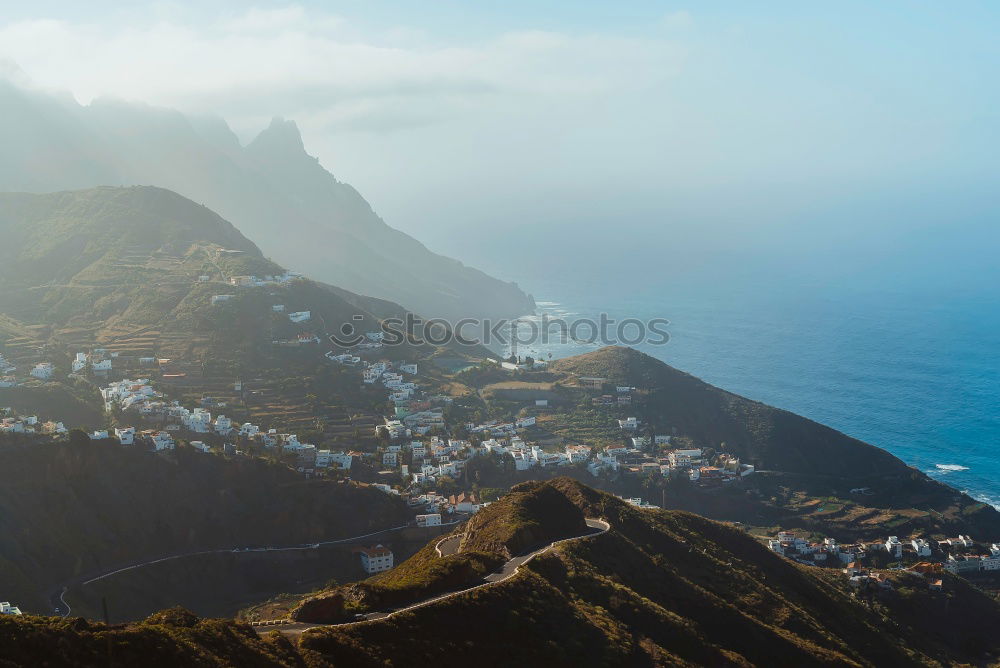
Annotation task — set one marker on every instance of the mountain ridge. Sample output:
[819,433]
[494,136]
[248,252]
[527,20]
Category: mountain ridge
[277,192]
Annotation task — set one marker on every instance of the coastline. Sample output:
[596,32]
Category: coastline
[884,424]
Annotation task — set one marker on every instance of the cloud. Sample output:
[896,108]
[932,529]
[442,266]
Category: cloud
[293,61]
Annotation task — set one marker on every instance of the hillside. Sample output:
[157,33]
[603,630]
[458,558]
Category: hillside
[659,588]
[280,195]
[672,588]
[74,511]
[775,438]
[167,639]
[806,469]
[111,264]
[521,521]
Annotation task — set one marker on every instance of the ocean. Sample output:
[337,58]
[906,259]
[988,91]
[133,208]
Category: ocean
[909,366]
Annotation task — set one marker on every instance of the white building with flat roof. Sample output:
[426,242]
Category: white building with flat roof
[43,370]
[7,609]
[376,559]
[429,520]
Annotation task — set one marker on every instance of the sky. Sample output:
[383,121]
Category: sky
[850,127]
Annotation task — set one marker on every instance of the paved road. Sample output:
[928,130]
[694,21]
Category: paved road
[60,606]
[509,570]
[448,546]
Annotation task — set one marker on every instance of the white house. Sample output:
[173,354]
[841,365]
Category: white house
[376,559]
[8,609]
[684,457]
[99,435]
[963,541]
[125,435]
[921,547]
[79,362]
[408,368]
[300,316]
[342,460]
[278,308]
[163,441]
[218,299]
[629,424]
[199,421]
[390,459]
[990,563]
[103,365]
[894,547]
[43,370]
[200,446]
[429,520]
[640,441]
[249,430]
[223,425]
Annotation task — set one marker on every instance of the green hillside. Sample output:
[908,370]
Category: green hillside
[523,520]
[109,265]
[136,272]
[671,588]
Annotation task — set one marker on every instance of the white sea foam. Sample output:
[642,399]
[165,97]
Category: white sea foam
[951,467]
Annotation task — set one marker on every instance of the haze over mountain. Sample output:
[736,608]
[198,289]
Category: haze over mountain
[284,199]
[92,265]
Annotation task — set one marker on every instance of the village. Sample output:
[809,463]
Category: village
[415,455]
[408,448]
[866,564]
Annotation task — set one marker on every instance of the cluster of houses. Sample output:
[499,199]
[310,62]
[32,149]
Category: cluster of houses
[11,423]
[260,281]
[867,579]
[960,555]
[99,361]
[786,543]
[252,282]
[432,506]
[650,454]
[414,412]
[139,396]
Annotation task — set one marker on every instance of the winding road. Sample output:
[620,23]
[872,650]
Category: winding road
[447,546]
[57,597]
